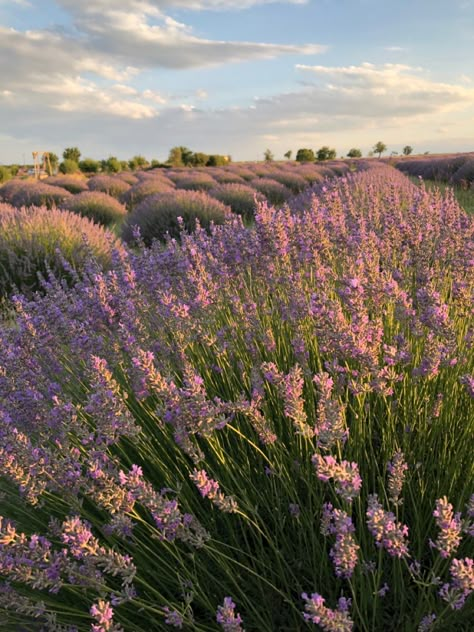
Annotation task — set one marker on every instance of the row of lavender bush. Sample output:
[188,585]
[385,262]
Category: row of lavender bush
[455,169]
[264,428]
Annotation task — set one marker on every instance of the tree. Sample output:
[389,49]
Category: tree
[407,150]
[288,154]
[216,160]
[325,153]
[89,165]
[354,153]
[112,165]
[53,160]
[5,174]
[72,153]
[305,155]
[138,162]
[68,166]
[379,148]
[200,159]
[268,155]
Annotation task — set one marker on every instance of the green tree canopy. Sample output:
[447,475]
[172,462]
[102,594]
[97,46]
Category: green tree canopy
[407,150]
[305,155]
[379,148]
[89,165]
[326,153]
[68,166]
[354,153]
[138,162]
[72,153]
[288,154]
[200,159]
[268,155]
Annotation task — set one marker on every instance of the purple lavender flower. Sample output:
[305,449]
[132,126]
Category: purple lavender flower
[450,527]
[173,618]
[396,476]
[388,533]
[209,488]
[227,618]
[330,620]
[344,553]
[345,475]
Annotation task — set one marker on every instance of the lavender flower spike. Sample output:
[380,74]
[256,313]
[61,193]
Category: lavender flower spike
[227,618]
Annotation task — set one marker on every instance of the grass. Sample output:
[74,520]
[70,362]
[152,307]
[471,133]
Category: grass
[464,197]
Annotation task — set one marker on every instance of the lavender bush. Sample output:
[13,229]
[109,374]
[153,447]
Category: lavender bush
[253,429]
[112,185]
[72,184]
[39,194]
[99,207]
[37,242]
[144,188]
[165,214]
[275,192]
[195,181]
[242,199]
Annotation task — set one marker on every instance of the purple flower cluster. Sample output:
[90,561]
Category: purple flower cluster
[344,553]
[209,488]
[462,583]
[337,620]
[228,618]
[345,475]
[450,526]
[388,533]
[396,476]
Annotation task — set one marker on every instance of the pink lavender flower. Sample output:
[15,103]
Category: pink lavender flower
[388,533]
[209,488]
[227,618]
[103,614]
[345,475]
[344,553]
[461,585]
[330,620]
[331,423]
[396,476]
[450,526]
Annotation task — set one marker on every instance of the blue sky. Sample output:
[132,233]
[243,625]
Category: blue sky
[121,77]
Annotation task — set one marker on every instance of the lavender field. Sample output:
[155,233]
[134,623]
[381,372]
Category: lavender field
[263,421]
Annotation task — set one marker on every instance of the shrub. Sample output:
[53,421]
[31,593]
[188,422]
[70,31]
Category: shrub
[275,192]
[144,188]
[158,215]
[241,198]
[68,166]
[305,155]
[5,174]
[129,178]
[8,190]
[464,176]
[195,182]
[89,165]
[97,206]
[29,243]
[39,194]
[70,183]
[228,177]
[112,185]
[293,181]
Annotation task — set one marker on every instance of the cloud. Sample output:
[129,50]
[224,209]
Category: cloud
[395,49]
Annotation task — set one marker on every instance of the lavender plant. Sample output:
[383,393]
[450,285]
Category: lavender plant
[261,429]
[39,194]
[112,185]
[241,198]
[99,207]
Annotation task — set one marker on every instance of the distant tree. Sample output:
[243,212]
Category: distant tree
[89,165]
[112,165]
[14,169]
[326,153]
[200,159]
[216,160]
[268,155]
[407,150]
[54,160]
[288,154]
[138,162]
[305,155]
[5,174]
[155,163]
[68,166]
[379,148]
[72,153]
[187,156]
[354,153]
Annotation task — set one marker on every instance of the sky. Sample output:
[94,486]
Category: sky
[236,77]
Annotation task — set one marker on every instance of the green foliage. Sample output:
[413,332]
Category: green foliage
[29,242]
[407,150]
[138,162]
[305,155]
[354,153]
[288,154]
[5,174]
[112,165]
[326,153]
[216,160]
[164,214]
[72,153]
[97,206]
[200,159]
[379,148]
[175,157]
[68,166]
[89,165]
[268,155]
[54,160]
